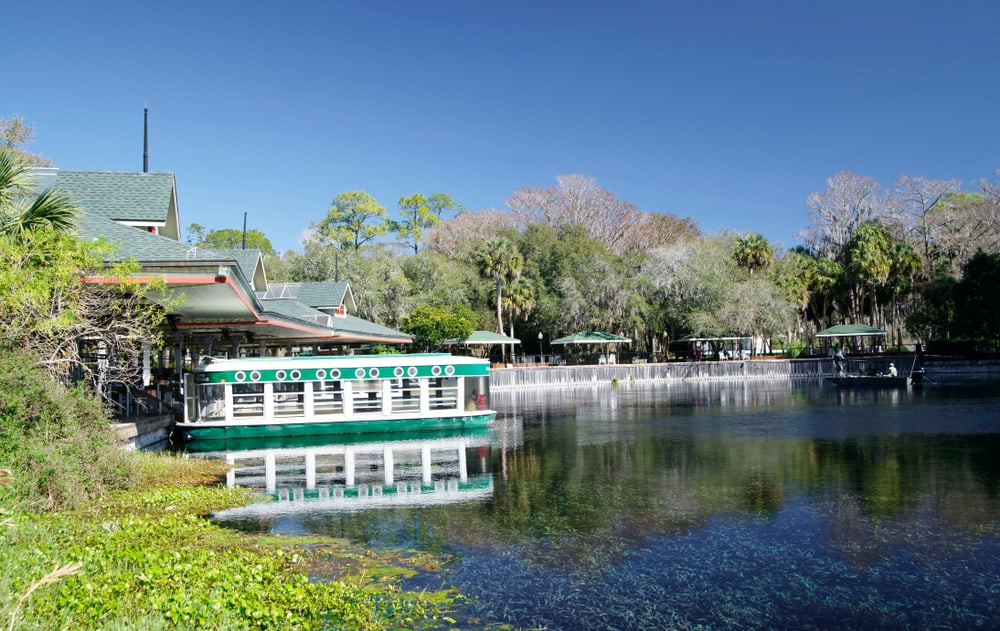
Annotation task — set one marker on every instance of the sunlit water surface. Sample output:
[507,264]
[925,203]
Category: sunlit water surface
[711,506]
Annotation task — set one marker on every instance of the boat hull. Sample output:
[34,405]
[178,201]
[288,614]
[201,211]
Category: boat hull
[292,427]
[861,381]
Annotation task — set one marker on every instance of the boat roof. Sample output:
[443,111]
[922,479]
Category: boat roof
[318,361]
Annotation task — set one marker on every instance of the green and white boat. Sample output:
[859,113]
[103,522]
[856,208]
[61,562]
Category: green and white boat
[334,395]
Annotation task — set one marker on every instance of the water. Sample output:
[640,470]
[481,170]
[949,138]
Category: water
[694,506]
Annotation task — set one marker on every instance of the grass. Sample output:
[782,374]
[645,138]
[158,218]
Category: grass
[149,558]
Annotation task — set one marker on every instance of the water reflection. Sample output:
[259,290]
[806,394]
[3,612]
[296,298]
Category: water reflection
[714,505]
[358,473]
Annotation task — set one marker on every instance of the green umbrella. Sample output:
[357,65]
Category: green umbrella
[591,337]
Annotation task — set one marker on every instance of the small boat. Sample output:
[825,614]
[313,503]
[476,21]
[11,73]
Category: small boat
[332,395]
[873,381]
[916,378]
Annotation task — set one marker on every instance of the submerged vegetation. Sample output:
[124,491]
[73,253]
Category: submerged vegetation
[148,558]
[93,537]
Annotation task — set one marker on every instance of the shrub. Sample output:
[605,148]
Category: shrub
[58,443]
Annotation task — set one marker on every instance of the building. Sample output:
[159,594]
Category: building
[226,307]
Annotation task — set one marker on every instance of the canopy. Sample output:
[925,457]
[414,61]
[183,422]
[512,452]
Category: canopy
[485,337]
[591,337]
[850,330]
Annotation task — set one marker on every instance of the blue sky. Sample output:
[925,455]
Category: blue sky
[728,112]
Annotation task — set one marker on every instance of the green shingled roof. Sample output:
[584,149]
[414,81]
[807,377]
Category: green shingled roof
[122,196]
[136,242]
[322,294]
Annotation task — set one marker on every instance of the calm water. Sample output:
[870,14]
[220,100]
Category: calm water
[688,506]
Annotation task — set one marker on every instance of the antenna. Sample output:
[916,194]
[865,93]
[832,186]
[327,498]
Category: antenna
[145,140]
[244,230]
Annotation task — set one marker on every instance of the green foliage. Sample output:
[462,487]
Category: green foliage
[430,326]
[500,260]
[418,214]
[152,563]
[794,348]
[22,209]
[229,239]
[47,308]
[354,219]
[977,299]
[58,443]
[753,252]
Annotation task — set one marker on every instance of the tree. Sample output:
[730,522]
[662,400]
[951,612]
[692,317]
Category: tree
[229,239]
[913,202]
[965,223]
[430,326]
[354,219]
[418,214]
[753,252]
[13,134]
[849,201]
[578,200]
[977,300]
[519,300]
[458,238]
[499,260]
[66,322]
[933,317]
[868,265]
[905,264]
[21,208]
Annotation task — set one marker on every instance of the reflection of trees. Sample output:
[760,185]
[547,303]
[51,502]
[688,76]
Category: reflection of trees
[585,506]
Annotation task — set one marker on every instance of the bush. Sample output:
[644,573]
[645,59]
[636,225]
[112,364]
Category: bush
[58,443]
[794,348]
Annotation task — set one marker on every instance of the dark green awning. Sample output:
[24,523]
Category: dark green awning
[850,330]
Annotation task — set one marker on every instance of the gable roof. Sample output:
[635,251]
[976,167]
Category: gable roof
[323,295]
[224,289]
[142,199]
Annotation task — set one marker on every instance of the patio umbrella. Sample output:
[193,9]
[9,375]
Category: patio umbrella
[851,330]
[591,337]
[484,339]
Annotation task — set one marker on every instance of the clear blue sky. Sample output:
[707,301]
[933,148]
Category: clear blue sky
[728,112]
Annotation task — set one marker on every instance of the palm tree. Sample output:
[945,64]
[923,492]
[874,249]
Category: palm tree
[20,209]
[904,267]
[519,300]
[753,252]
[868,267]
[499,259]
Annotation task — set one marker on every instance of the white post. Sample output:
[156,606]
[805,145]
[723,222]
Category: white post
[310,469]
[349,465]
[387,460]
[425,463]
[270,476]
[463,467]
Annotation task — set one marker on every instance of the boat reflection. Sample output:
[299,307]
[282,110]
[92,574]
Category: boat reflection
[346,476]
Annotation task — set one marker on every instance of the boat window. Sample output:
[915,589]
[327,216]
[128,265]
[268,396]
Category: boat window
[213,401]
[248,400]
[405,395]
[367,395]
[444,393]
[328,397]
[288,399]
[477,393]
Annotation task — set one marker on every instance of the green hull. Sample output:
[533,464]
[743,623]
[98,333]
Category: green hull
[197,431]
[476,435]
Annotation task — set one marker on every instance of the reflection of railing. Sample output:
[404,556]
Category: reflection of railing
[365,475]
